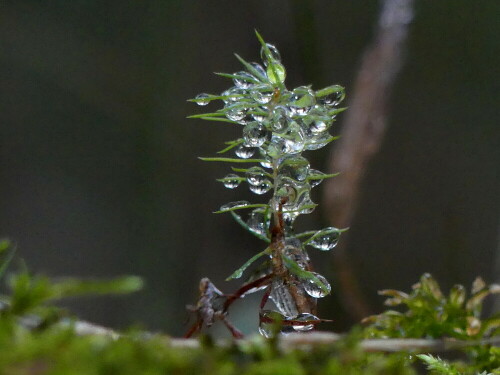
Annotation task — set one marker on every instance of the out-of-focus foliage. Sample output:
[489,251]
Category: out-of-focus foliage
[37,338]
[432,314]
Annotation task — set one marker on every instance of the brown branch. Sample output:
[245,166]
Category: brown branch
[362,133]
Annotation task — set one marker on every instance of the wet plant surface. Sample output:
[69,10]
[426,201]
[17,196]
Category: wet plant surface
[278,125]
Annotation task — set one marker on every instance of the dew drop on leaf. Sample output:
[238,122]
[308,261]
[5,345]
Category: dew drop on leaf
[236,204]
[254,134]
[325,239]
[314,290]
[244,152]
[275,55]
[245,81]
[202,99]
[261,188]
[231,181]
[306,318]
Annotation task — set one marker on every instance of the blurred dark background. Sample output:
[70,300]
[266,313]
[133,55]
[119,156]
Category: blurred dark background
[98,163]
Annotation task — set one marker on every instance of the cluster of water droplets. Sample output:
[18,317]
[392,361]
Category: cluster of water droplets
[278,126]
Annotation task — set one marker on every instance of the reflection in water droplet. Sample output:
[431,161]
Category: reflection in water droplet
[246,81]
[255,176]
[236,114]
[261,188]
[318,141]
[254,134]
[334,97]
[231,181]
[306,318]
[230,205]
[268,321]
[275,55]
[295,167]
[262,94]
[325,239]
[202,99]
[258,222]
[283,299]
[232,95]
[244,152]
[315,182]
[314,290]
[258,68]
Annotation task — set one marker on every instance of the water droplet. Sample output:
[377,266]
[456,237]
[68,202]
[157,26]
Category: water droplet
[318,141]
[283,299]
[244,152]
[302,101]
[202,99]
[246,81]
[294,138]
[255,176]
[266,164]
[314,290]
[236,114]
[280,118]
[258,116]
[254,134]
[315,182]
[306,318]
[295,251]
[274,54]
[261,188]
[325,239]
[258,68]
[280,71]
[262,94]
[332,96]
[268,321]
[231,181]
[236,204]
[258,222]
[295,167]
[232,95]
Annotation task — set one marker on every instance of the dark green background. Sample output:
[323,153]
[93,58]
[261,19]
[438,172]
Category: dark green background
[98,167]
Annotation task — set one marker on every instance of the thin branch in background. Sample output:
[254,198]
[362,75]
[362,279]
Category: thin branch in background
[362,132]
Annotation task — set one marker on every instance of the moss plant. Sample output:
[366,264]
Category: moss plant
[278,126]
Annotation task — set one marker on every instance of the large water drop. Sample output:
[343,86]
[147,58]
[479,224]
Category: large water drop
[254,134]
[274,54]
[308,319]
[325,239]
[244,152]
[202,99]
[261,188]
[314,290]
[244,80]
[231,181]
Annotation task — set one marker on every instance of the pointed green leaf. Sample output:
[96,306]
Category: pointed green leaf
[233,160]
[295,269]
[237,76]
[240,221]
[241,208]
[219,119]
[239,272]
[322,176]
[232,145]
[251,69]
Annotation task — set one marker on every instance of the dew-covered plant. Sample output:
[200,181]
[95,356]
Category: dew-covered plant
[278,125]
